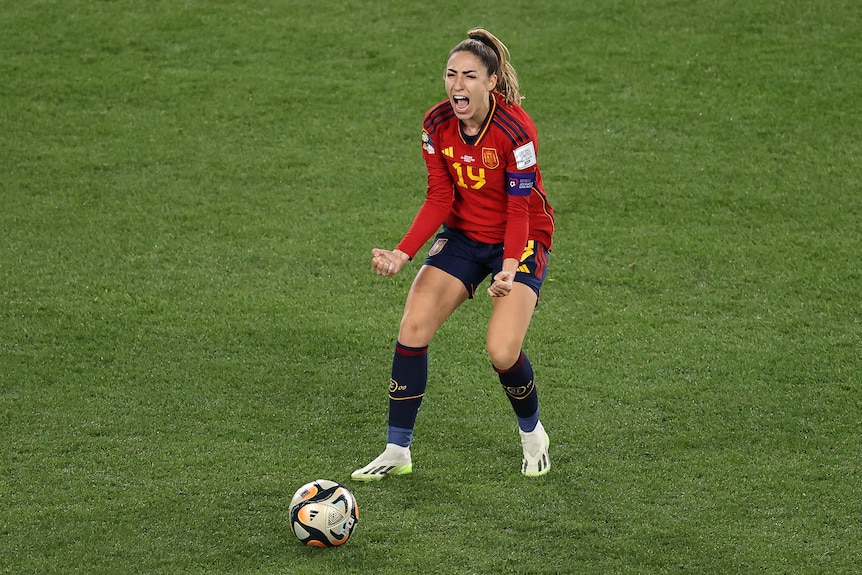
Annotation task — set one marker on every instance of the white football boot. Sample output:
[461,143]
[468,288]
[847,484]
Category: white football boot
[535,445]
[395,460]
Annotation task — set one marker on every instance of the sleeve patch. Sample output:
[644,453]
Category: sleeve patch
[427,144]
[521,183]
[525,156]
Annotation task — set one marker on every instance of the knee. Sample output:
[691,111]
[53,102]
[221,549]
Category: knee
[414,333]
[503,353]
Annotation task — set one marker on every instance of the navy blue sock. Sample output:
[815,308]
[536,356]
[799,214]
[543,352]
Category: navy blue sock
[521,391]
[406,390]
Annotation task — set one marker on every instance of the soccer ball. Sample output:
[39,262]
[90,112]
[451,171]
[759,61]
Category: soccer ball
[323,513]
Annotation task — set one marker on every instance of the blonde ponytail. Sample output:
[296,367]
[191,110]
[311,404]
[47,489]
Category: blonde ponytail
[495,56]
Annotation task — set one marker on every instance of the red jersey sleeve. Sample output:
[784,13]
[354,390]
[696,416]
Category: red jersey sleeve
[438,201]
[520,182]
[517,227]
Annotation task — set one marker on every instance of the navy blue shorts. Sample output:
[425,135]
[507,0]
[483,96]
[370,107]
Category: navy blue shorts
[471,261]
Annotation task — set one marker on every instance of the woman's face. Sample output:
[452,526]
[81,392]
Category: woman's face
[468,85]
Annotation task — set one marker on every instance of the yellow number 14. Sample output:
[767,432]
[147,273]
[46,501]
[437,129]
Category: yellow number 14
[476,176]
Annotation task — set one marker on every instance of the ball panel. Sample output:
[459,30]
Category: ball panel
[311,490]
[299,530]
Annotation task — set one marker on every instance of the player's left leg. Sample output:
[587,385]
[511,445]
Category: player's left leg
[507,329]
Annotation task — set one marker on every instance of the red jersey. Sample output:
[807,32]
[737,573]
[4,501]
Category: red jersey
[488,186]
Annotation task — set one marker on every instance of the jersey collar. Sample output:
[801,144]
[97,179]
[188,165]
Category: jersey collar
[473,140]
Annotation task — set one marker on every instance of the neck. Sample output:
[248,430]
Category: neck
[471,126]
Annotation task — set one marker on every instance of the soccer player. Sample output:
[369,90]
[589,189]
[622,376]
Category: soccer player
[485,188]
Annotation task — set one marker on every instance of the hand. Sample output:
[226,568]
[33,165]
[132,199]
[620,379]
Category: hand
[502,284]
[386,262]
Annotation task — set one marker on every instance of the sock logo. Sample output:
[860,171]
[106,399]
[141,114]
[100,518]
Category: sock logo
[519,392]
[398,392]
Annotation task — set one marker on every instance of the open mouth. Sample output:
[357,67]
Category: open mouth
[460,103]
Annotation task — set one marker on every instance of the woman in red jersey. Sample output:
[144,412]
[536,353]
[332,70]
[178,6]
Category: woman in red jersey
[485,188]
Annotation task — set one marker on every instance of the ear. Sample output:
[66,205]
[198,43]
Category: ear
[492,82]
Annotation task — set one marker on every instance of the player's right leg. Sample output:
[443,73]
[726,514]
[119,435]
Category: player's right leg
[434,295]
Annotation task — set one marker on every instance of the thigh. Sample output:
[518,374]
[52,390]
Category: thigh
[508,325]
[434,295]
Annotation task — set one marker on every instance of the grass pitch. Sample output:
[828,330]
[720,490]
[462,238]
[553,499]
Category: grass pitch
[189,329]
